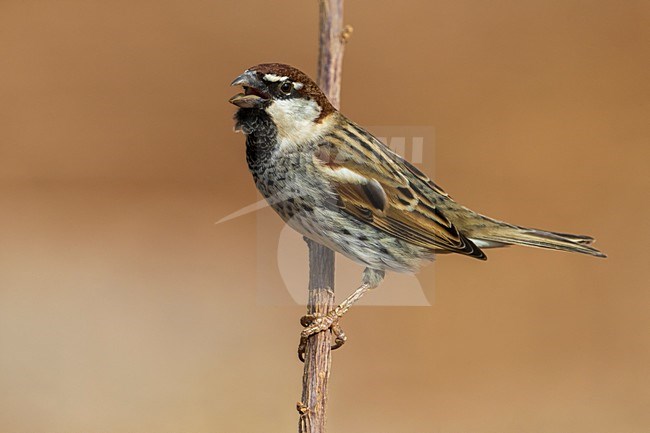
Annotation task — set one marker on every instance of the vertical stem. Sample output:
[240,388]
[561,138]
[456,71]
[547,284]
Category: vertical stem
[332,43]
[318,357]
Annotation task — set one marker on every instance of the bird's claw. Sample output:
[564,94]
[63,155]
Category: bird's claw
[315,323]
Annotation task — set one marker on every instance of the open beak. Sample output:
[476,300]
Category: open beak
[254,95]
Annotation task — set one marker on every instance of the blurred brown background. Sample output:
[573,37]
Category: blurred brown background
[123,308]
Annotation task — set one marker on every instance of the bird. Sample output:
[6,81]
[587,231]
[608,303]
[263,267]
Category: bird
[336,184]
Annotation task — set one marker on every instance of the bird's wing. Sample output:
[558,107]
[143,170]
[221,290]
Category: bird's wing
[380,188]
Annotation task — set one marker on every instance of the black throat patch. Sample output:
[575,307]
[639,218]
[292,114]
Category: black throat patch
[261,134]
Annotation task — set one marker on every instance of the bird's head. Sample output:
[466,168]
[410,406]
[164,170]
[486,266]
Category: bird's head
[291,99]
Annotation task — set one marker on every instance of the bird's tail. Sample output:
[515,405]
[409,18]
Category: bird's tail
[487,232]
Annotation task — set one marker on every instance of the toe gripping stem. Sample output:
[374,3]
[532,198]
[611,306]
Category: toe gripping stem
[315,323]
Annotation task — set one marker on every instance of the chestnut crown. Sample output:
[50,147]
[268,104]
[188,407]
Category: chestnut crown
[266,82]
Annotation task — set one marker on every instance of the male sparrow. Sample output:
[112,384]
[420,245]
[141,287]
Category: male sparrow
[336,184]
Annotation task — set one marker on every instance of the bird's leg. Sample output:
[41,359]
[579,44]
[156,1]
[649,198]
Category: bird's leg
[318,323]
[314,323]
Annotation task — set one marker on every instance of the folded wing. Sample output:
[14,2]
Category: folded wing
[378,187]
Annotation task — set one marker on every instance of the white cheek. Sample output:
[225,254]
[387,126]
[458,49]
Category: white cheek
[296,121]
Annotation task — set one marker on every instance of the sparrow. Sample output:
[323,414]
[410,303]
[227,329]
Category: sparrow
[336,184]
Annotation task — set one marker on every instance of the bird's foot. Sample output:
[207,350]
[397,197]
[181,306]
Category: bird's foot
[315,323]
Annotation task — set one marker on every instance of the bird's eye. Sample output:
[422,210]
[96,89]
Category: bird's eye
[286,87]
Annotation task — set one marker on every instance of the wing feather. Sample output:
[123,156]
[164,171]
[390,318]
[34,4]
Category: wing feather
[378,187]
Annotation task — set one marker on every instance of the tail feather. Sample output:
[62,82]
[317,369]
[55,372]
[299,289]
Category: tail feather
[551,240]
[499,233]
[581,239]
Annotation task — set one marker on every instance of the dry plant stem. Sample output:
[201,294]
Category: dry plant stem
[318,356]
[333,36]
